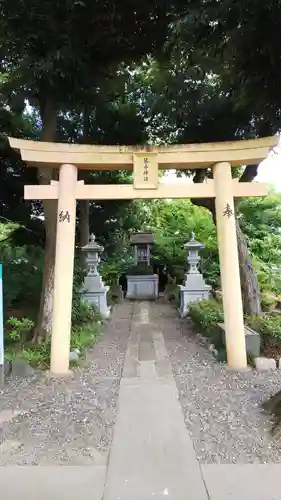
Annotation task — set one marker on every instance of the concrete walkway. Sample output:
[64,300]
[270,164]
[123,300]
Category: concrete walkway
[150,453]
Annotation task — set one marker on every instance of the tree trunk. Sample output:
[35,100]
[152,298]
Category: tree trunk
[84,204]
[45,175]
[84,222]
[249,281]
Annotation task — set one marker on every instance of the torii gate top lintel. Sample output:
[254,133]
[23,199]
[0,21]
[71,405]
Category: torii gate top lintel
[183,156]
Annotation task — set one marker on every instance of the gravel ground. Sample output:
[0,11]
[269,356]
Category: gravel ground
[70,421]
[66,421]
[221,408]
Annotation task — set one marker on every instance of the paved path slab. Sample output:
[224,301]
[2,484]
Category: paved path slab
[243,482]
[152,454]
[50,483]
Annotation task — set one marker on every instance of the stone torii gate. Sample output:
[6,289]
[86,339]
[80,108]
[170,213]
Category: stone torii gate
[144,163]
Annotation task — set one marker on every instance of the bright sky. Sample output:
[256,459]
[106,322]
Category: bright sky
[270,171]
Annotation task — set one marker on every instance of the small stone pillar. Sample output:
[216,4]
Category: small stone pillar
[94,290]
[194,287]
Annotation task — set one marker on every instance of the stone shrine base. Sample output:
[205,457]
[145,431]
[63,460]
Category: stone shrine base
[142,287]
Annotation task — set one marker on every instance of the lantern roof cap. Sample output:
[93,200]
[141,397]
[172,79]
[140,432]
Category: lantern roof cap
[193,243]
[92,245]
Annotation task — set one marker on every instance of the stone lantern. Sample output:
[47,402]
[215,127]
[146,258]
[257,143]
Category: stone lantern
[193,257]
[94,290]
[194,287]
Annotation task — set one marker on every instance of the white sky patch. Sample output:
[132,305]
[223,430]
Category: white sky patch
[170,177]
[28,109]
[269,171]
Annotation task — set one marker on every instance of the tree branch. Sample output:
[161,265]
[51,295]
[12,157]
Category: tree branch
[209,203]
[249,173]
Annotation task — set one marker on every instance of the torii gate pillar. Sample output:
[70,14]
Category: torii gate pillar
[229,267]
[64,267]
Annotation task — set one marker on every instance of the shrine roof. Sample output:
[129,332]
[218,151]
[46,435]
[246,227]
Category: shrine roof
[142,238]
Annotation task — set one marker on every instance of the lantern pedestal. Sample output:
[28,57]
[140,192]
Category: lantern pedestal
[193,292]
[96,294]
[194,288]
[94,291]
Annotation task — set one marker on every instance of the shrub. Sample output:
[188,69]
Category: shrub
[269,327]
[38,355]
[18,329]
[84,328]
[172,293]
[206,313]
[82,313]
[78,278]
[210,267]
[83,336]
[268,301]
[272,407]
[111,269]
[35,355]
[178,273]
[22,276]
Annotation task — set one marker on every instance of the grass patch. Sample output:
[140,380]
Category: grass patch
[86,323]
[84,336]
[38,356]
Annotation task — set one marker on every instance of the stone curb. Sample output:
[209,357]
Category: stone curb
[260,363]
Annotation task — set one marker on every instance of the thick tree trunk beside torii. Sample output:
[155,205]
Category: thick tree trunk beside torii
[84,211]
[84,205]
[43,327]
[249,282]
